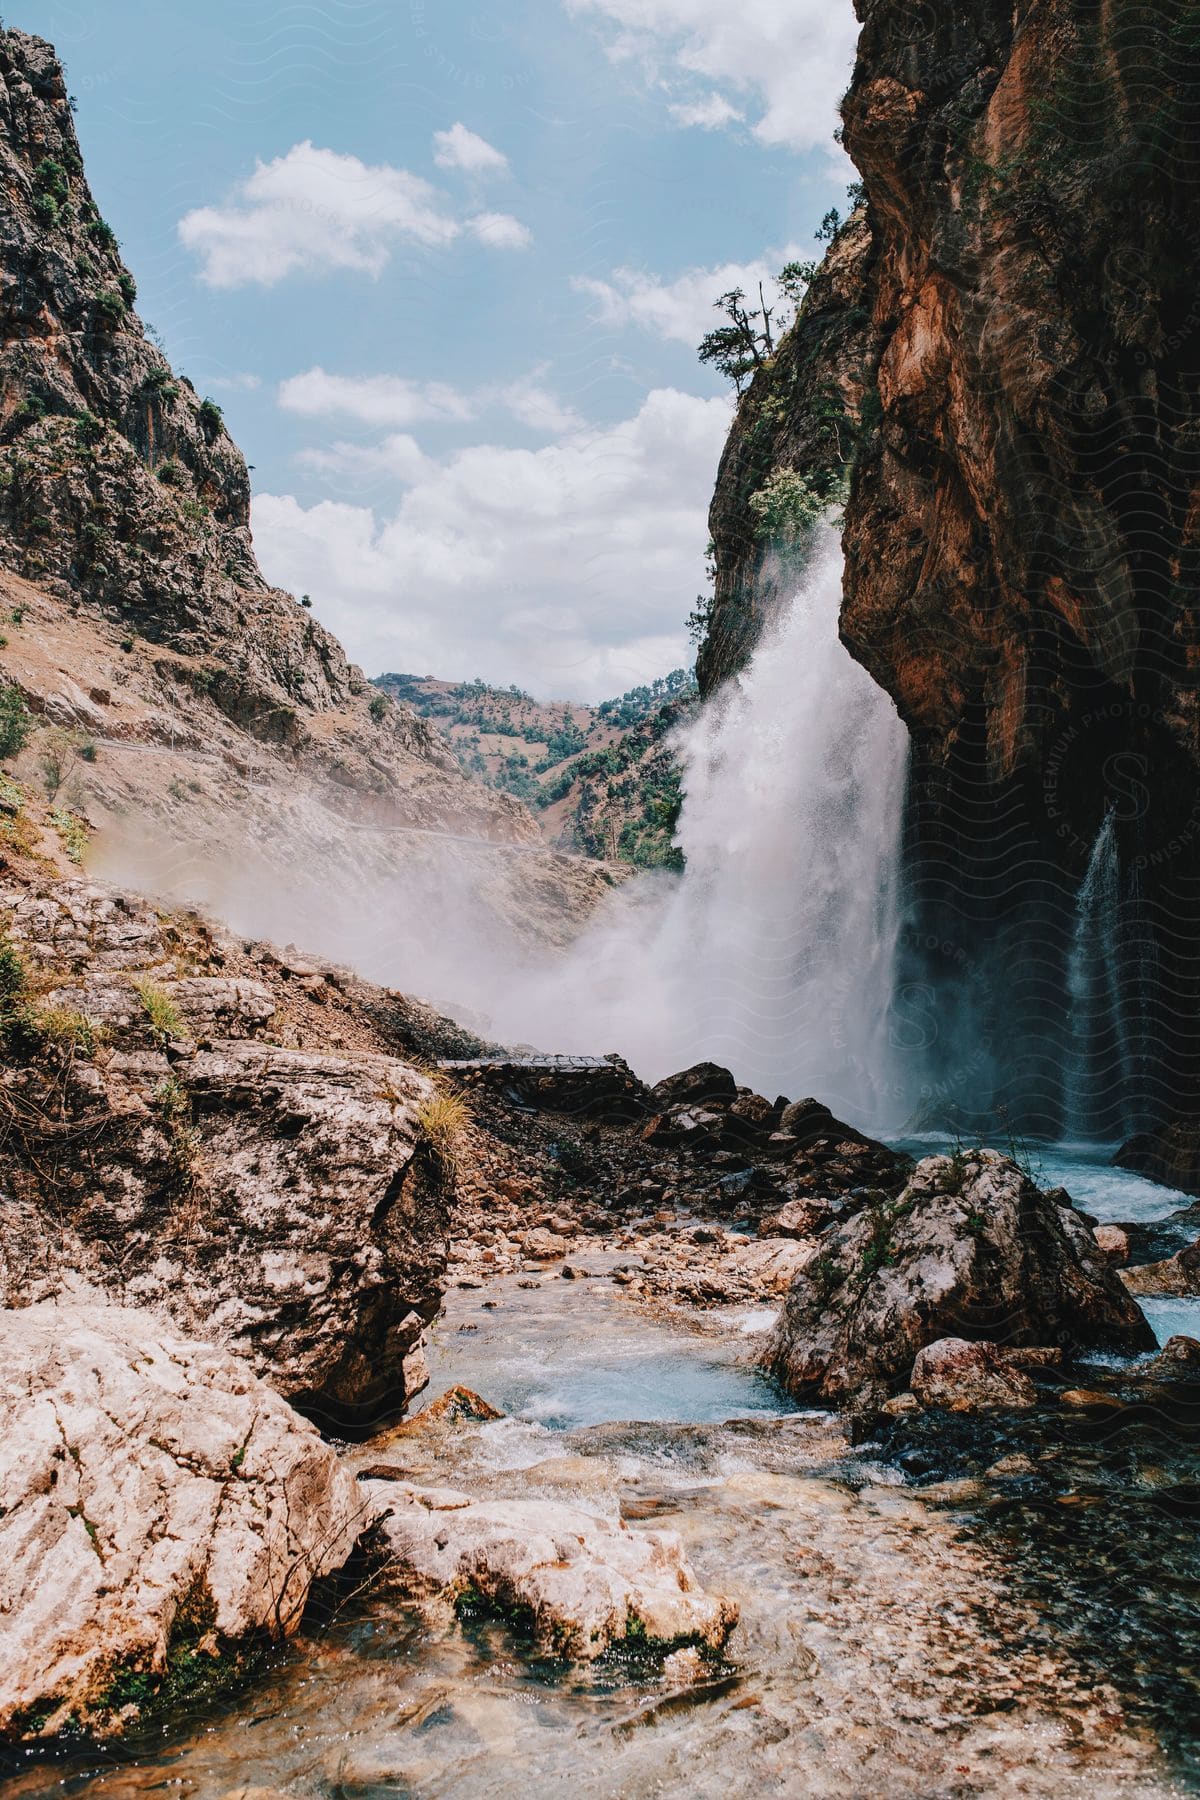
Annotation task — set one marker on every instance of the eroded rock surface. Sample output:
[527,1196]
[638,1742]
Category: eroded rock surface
[1179,1274]
[969,1377]
[971,1249]
[584,1582]
[268,1198]
[157,1503]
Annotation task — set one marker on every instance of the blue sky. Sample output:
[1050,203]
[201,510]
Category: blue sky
[444,265]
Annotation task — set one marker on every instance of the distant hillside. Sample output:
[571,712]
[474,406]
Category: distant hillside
[601,779]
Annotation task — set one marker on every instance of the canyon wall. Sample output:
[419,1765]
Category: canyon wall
[1017,358]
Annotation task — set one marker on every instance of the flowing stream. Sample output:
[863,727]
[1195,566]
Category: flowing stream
[924,1622]
[773,952]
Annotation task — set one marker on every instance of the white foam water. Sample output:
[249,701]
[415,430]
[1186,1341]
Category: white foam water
[1099,1068]
[773,952]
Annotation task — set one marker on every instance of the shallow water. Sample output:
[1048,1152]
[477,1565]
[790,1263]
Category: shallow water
[1032,1638]
[624,1366]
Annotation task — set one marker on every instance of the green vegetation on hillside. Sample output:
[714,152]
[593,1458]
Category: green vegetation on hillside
[603,779]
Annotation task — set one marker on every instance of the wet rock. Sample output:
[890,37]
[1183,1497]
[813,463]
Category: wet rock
[1178,1360]
[583,1583]
[827,1157]
[961,1376]
[1113,1241]
[1170,1155]
[900,1405]
[154,1496]
[544,1246]
[806,1119]
[753,1110]
[970,1249]
[1179,1274]
[705,1084]
[456,1406]
[1011,1468]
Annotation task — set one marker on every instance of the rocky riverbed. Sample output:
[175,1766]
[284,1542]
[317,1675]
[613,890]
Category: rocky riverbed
[804,1463]
[949,1608]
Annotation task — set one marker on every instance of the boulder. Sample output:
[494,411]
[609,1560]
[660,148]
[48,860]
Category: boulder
[265,1199]
[1177,1361]
[798,1219]
[582,1582]
[544,1246]
[970,1249]
[806,1118]
[753,1110]
[1113,1241]
[961,1376]
[1171,1154]
[1179,1274]
[160,1508]
[827,1156]
[705,1084]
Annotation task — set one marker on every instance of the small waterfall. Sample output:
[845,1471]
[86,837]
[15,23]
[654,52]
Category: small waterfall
[773,953]
[1099,1071]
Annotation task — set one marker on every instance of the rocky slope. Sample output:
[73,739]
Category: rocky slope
[235,1137]
[215,713]
[1022,520]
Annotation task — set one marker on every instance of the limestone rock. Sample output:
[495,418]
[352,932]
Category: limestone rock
[969,1377]
[1177,1361]
[970,1249]
[1113,1242]
[262,1198]
[1178,1274]
[586,1582]
[798,1219]
[544,1246]
[155,1497]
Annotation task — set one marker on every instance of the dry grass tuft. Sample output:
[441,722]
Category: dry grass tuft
[442,1121]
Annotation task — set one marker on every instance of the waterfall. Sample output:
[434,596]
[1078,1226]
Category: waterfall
[773,952]
[1098,1074]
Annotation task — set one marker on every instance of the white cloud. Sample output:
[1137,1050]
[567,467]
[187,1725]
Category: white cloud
[501,231]
[316,210]
[373,399]
[789,58]
[683,309]
[242,383]
[394,400]
[535,406]
[398,458]
[570,569]
[459,148]
[709,114]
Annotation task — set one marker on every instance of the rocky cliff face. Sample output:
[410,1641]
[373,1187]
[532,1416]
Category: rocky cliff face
[1022,531]
[800,419]
[118,483]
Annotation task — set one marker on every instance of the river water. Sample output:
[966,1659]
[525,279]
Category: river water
[919,1616]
